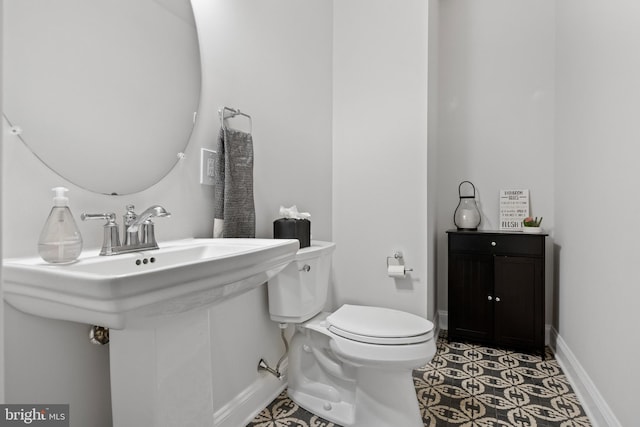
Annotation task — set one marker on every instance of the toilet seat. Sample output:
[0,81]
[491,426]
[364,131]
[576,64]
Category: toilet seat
[378,325]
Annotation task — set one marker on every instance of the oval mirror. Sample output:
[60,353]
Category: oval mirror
[104,92]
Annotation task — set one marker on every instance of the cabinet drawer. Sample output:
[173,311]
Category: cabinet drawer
[505,244]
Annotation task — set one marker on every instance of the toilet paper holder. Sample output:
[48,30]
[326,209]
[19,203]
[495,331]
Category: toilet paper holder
[396,260]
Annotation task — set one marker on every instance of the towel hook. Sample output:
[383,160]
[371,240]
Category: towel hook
[229,113]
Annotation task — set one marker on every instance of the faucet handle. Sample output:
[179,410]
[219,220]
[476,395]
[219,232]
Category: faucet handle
[110,217]
[111,234]
[129,238]
[130,214]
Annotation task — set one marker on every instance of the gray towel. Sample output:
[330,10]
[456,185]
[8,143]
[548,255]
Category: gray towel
[234,211]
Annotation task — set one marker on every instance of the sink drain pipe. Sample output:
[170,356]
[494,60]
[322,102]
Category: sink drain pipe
[264,366]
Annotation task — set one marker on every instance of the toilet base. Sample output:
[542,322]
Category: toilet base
[337,412]
[387,398]
[374,405]
[348,393]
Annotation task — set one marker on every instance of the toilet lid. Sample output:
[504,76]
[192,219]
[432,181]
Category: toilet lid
[377,325]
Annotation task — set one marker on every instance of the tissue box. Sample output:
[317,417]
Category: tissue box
[289,228]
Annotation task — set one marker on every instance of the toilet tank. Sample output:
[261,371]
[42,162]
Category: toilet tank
[299,292]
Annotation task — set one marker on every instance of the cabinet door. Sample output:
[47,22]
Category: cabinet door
[470,285]
[519,305]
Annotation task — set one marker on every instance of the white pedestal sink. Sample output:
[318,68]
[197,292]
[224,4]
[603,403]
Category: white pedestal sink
[155,303]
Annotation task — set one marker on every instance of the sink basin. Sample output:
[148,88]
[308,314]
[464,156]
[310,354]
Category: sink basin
[130,289]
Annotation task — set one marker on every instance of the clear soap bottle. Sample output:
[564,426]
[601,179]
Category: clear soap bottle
[60,241]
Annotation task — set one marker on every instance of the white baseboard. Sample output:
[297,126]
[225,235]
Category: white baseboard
[547,336]
[436,324]
[244,407]
[593,403]
[443,317]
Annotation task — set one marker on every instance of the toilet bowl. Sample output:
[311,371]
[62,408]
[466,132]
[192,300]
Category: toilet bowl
[353,366]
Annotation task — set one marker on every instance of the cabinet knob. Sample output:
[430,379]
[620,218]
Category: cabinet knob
[493,243]
[489,297]
[497,299]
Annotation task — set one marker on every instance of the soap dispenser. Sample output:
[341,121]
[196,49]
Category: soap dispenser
[60,241]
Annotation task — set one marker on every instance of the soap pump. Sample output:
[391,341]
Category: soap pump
[60,241]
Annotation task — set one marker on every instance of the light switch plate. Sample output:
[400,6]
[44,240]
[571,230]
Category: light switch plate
[207,164]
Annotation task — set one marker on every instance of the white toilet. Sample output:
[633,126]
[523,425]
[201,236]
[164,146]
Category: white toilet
[354,366]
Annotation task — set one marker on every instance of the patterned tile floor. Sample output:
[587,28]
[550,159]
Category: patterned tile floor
[468,385]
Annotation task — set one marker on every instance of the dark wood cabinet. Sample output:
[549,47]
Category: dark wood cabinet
[496,288]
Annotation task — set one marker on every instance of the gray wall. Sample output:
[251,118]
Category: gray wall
[496,114]
[597,175]
[544,95]
[380,152]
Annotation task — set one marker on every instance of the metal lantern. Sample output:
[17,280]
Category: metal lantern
[467,215]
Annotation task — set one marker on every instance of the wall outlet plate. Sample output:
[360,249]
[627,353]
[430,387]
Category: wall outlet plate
[207,164]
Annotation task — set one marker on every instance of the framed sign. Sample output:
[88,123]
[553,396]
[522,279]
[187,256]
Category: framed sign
[514,207]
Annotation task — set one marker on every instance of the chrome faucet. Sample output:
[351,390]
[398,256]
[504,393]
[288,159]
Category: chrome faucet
[144,227]
[138,230]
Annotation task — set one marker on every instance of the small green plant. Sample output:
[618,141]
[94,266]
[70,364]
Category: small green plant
[532,222]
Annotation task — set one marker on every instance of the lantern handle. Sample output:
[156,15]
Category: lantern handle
[467,197]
